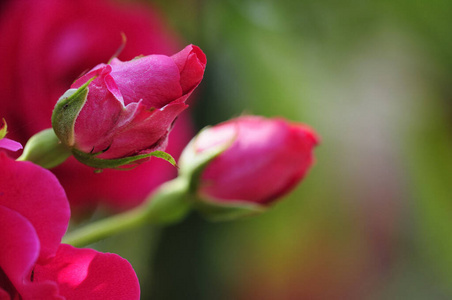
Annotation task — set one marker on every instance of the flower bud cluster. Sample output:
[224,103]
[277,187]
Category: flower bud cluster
[116,116]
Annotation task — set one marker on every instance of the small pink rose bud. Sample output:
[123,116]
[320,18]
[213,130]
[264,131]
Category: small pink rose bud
[126,109]
[264,159]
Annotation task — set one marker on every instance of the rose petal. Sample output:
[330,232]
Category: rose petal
[19,250]
[36,194]
[146,131]
[191,62]
[100,113]
[11,145]
[19,247]
[88,274]
[155,80]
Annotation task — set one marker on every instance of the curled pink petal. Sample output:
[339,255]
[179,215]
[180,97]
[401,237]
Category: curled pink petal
[11,145]
[191,62]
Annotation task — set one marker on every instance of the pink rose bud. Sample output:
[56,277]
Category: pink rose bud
[122,112]
[250,162]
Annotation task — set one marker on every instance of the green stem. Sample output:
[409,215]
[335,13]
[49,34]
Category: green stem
[169,204]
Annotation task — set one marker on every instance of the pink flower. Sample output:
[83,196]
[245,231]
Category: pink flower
[266,159]
[34,215]
[41,54]
[130,106]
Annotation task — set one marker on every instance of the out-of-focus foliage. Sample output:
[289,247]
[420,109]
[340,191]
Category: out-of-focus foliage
[373,218]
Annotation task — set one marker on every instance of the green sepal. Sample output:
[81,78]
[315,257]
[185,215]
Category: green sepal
[215,210]
[192,163]
[91,159]
[3,129]
[45,150]
[66,112]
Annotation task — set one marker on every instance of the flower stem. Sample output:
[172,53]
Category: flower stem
[169,204]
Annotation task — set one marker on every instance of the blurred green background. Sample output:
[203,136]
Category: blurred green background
[373,218]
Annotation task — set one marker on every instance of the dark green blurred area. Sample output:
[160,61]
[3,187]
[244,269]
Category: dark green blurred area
[373,218]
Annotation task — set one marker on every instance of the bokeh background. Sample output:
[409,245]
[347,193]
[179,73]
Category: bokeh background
[373,218]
